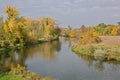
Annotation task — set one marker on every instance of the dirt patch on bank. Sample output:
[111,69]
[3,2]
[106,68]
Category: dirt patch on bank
[110,40]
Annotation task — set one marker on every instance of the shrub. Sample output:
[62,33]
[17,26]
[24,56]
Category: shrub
[100,54]
[23,73]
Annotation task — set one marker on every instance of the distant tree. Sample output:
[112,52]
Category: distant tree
[100,28]
[90,36]
[83,29]
[115,30]
[69,27]
[11,11]
[103,25]
[118,23]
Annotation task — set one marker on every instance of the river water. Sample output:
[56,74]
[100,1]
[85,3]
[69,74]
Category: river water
[56,59]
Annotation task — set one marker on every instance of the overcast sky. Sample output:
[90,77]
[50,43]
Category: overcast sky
[69,12]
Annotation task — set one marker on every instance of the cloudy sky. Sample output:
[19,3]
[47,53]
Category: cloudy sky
[69,12]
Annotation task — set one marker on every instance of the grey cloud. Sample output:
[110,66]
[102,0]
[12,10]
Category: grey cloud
[73,12]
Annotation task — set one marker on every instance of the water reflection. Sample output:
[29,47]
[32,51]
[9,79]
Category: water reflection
[14,57]
[99,66]
[70,41]
[45,50]
[57,60]
[87,59]
[11,59]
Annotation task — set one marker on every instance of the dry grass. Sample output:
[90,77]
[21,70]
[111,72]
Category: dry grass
[110,40]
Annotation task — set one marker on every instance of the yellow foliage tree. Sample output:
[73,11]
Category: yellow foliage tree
[11,11]
[48,29]
[90,36]
[14,25]
[114,31]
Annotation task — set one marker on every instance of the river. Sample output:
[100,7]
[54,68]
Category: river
[56,59]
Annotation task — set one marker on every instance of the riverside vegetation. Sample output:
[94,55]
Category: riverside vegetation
[91,43]
[19,31]
[20,73]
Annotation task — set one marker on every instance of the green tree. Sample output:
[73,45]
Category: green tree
[100,28]
[118,23]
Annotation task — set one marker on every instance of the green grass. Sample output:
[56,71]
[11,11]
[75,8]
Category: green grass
[99,52]
[20,73]
[8,76]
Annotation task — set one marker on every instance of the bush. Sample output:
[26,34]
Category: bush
[84,49]
[23,73]
[100,54]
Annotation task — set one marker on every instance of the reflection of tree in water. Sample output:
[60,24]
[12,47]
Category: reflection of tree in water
[114,65]
[14,57]
[10,59]
[48,50]
[56,45]
[69,40]
[99,65]
[88,59]
[44,50]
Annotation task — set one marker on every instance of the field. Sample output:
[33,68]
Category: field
[110,40]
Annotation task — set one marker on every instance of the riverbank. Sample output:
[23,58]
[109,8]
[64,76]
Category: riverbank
[108,49]
[20,73]
[7,75]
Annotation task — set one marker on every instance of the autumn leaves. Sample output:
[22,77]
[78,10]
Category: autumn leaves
[21,30]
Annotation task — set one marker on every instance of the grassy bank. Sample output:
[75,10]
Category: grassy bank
[8,76]
[20,73]
[99,52]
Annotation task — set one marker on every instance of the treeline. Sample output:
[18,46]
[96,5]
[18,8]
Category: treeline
[107,30]
[18,30]
[89,42]
[83,34]
[91,34]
